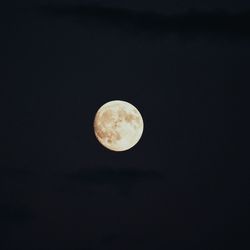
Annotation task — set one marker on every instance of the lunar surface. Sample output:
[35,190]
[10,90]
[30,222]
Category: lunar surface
[118,125]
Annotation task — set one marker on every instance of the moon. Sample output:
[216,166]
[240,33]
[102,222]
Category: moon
[118,125]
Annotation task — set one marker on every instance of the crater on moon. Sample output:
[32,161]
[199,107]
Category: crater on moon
[118,125]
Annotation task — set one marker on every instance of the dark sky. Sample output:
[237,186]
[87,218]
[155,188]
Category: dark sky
[183,64]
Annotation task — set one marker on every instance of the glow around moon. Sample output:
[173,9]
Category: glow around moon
[118,125]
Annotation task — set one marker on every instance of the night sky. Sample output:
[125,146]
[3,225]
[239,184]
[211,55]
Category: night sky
[184,65]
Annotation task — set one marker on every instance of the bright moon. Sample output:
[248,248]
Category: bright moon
[118,125]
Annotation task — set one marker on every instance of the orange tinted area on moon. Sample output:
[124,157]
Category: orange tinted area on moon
[118,125]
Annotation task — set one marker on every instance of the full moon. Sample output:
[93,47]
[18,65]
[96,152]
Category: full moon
[118,125]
